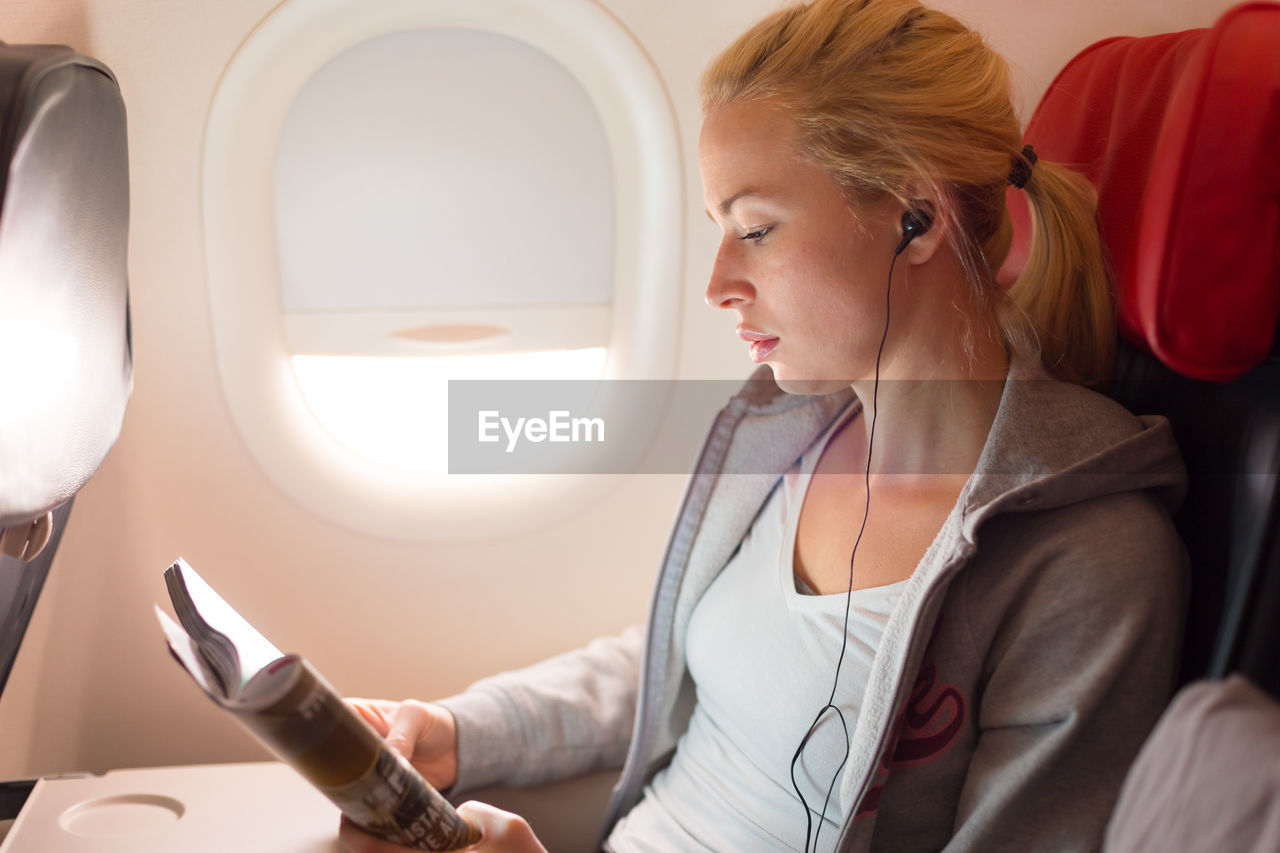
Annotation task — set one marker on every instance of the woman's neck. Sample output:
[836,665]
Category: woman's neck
[937,397]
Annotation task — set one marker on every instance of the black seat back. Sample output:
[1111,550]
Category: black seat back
[1229,435]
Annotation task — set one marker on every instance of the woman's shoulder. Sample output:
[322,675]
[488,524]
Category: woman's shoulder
[1054,444]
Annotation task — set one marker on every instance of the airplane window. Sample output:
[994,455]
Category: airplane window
[464,230]
[400,193]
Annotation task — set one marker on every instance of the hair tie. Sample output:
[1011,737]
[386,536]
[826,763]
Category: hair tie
[1020,172]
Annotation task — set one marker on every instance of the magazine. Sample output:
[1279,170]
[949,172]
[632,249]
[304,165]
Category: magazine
[302,719]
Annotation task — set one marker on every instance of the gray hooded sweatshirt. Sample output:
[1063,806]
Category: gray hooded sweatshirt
[1032,651]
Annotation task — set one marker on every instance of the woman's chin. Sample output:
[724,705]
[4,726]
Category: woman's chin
[804,384]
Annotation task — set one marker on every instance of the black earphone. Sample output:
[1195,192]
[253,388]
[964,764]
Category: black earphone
[915,221]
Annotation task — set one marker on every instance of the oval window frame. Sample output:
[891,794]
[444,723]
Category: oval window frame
[245,117]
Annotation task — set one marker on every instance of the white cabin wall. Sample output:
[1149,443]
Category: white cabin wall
[93,687]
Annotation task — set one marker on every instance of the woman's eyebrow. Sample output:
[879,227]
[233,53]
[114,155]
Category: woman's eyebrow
[728,203]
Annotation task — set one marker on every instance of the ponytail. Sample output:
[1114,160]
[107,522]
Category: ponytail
[1064,290]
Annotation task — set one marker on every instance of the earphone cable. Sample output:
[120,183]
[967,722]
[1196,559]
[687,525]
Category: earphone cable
[866,511]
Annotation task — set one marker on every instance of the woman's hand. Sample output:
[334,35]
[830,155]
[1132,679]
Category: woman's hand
[420,731]
[500,832]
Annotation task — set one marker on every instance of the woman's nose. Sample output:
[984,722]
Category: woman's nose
[728,287]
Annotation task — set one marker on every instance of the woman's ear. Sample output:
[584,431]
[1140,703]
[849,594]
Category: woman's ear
[922,230]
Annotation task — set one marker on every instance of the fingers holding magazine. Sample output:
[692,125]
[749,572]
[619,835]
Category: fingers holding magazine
[500,832]
[424,733]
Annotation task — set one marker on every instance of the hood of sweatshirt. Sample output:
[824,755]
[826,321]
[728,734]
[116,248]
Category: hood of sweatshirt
[1053,444]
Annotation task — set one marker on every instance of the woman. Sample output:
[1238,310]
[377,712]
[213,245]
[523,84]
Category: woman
[933,527]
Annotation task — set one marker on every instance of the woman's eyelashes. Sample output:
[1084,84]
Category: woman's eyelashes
[756,234]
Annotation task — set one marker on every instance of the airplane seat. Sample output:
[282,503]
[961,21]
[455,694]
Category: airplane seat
[65,352]
[1180,133]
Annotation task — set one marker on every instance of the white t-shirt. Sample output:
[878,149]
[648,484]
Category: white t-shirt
[763,656]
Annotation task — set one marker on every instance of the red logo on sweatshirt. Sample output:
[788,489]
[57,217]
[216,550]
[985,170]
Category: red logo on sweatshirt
[929,724]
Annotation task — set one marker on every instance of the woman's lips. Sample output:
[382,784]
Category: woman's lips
[761,343]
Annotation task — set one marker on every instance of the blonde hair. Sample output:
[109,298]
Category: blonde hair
[890,95]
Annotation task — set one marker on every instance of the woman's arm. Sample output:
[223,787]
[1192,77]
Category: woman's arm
[1079,665]
[568,715]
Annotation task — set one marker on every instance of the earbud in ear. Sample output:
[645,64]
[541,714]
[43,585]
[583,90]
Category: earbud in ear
[914,223]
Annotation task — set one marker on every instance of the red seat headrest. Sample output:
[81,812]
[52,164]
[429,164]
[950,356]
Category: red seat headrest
[1181,135]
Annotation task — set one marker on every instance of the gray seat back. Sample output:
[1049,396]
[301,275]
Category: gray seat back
[66,364]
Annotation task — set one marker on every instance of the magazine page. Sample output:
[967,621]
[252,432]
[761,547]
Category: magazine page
[236,650]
